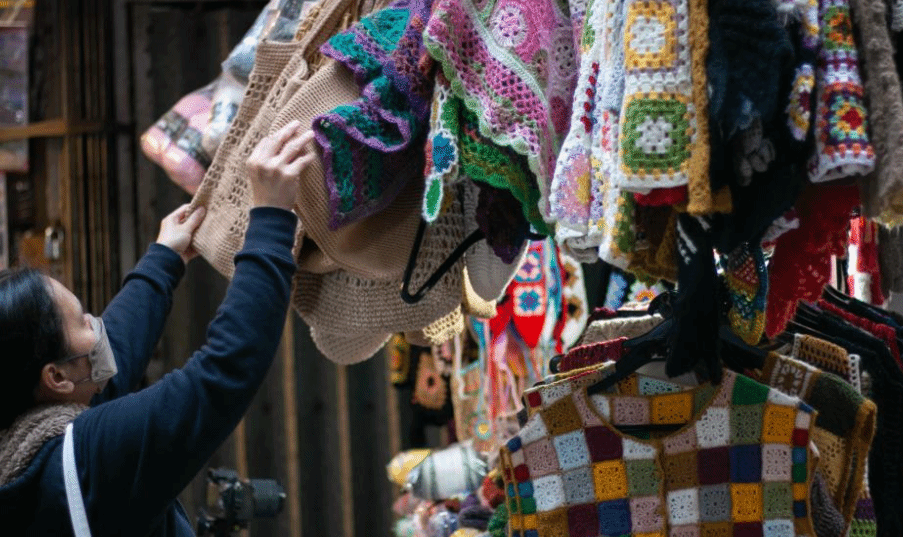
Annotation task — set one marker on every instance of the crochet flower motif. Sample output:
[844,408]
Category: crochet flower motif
[529,300]
[654,135]
[509,27]
[848,120]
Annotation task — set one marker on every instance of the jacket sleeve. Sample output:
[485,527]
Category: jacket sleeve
[136,453]
[136,316]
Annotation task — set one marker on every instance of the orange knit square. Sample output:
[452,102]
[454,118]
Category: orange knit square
[611,480]
[672,409]
[717,529]
[778,423]
[561,417]
[553,523]
[746,500]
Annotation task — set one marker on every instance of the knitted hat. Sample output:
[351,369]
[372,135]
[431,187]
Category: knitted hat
[351,316]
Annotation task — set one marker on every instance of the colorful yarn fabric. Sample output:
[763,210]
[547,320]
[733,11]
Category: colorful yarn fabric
[844,427]
[585,162]
[442,152]
[368,142]
[747,281]
[842,147]
[513,64]
[799,106]
[663,134]
[741,466]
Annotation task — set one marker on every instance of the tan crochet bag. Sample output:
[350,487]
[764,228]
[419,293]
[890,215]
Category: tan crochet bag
[292,81]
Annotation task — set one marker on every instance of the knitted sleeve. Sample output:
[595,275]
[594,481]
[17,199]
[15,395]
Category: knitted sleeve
[135,454]
[135,317]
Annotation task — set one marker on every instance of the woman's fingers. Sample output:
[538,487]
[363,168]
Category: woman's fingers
[295,147]
[270,146]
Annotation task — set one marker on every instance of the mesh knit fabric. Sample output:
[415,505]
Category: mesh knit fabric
[804,254]
[844,427]
[514,65]
[350,307]
[663,133]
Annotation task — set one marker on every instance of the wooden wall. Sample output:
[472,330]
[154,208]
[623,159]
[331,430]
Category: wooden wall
[324,432]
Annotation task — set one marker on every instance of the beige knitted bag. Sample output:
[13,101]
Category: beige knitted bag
[292,81]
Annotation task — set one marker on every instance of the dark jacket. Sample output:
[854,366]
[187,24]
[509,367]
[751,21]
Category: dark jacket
[135,452]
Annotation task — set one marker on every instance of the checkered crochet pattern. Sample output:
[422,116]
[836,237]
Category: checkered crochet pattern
[742,466]
[841,130]
[663,139]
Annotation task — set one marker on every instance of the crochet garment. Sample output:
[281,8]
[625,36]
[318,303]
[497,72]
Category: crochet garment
[513,64]
[663,133]
[842,147]
[742,465]
[367,143]
[455,148]
[800,266]
[843,430]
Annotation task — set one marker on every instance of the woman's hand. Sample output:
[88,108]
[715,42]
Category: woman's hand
[177,230]
[276,163]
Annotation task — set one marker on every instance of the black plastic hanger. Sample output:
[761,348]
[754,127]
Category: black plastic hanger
[457,253]
[641,350]
[741,355]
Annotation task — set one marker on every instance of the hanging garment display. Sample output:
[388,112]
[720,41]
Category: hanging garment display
[570,472]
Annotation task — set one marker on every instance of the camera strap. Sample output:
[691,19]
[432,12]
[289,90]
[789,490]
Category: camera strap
[73,489]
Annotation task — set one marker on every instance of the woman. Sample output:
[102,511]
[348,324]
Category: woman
[134,452]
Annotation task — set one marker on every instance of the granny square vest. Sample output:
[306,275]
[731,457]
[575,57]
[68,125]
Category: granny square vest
[741,465]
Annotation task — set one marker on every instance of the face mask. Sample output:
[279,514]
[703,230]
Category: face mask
[103,363]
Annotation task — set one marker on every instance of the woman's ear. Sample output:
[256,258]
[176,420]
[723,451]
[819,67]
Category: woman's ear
[55,380]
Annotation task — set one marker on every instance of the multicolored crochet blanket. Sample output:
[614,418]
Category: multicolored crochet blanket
[368,142]
[513,64]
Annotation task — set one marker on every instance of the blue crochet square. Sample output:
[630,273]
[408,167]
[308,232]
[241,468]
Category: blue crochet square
[514,444]
[799,455]
[525,490]
[746,464]
[531,533]
[799,509]
[510,490]
[614,518]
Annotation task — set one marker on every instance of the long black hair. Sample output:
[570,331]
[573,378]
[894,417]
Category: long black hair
[31,336]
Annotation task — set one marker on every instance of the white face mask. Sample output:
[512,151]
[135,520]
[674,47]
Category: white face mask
[103,363]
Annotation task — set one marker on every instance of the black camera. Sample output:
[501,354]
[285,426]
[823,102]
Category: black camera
[233,502]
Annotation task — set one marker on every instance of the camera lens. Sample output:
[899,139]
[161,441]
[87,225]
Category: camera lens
[268,497]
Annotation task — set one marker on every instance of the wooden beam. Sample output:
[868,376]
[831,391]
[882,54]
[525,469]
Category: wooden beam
[347,476]
[50,128]
[290,415]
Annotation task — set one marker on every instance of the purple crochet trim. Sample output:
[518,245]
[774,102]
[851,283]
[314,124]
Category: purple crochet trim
[373,146]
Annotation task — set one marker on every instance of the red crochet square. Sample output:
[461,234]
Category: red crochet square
[522,473]
[583,521]
[534,399]
[604,445]
[714,465]
[748,529]
[800,437]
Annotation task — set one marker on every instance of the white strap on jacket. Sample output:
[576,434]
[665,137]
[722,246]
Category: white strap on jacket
[73,489]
